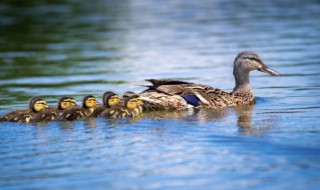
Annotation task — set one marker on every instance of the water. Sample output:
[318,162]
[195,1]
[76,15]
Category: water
[57,48]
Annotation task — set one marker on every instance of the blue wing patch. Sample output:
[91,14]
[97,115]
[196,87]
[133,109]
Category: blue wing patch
[192,99]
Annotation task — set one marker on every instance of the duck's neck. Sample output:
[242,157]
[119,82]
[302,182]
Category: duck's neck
[242,83]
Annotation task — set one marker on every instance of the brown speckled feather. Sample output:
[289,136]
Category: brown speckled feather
[171,94]
[75,113]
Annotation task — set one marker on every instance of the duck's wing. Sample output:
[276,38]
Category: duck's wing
[11,115]
[179,94]
[49,114]
[71,114]
[97,111]
[157,100]
[211,97]
[156,82]
[167,86]
[115,112]
[23,117]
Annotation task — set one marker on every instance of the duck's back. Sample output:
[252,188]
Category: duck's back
[115,112]
[46,115]
[98,110]
[18,116]
[168,94]
[71,114]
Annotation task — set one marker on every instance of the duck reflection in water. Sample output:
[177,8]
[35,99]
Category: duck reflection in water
[246,125]
[244,114]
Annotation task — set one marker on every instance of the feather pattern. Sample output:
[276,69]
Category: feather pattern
[179,95]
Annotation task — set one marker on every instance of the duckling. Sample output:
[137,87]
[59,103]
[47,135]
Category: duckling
[139,100]
[51,113]
[36,104]
[109,99]
[88,104]
[130,109]
[179,95]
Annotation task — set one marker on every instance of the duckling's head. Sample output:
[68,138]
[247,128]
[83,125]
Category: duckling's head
[249,61]
[66,103]
[89,101]
[132,102]
[128,94]
[37,104]
[110,99]
[140,102]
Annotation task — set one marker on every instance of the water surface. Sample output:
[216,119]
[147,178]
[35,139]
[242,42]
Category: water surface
[57,48]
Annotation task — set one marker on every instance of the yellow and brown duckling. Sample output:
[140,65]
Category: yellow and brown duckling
[109,99]
[139,108]
[36,104]
[130,108]
[88,105]
[52,113]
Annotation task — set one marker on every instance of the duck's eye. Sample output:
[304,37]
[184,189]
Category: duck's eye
[255,59]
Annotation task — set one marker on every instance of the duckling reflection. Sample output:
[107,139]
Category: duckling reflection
[170,114]
[91,122]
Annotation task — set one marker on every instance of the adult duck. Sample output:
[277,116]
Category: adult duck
[178,95]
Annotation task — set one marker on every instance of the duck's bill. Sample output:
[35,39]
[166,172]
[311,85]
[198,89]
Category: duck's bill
[269,71]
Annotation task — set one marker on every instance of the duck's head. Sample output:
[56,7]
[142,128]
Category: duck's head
[133,102]
[37,104]
[66,103]
[110,99]
[249,61]
[89,101]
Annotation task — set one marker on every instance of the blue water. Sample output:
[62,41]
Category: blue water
[57,48]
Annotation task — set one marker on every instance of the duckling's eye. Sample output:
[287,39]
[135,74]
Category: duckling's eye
[43,103]
[115,98]
[133,101]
